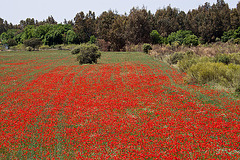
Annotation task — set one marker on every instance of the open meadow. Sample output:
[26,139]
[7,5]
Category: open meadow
[128,106]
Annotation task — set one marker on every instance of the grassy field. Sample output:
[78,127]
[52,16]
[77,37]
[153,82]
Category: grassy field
[128,106]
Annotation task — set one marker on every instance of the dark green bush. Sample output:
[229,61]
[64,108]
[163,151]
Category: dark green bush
[88,53]
[146,48]
[92,40]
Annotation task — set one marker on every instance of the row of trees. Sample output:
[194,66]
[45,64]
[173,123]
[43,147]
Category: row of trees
[207,22]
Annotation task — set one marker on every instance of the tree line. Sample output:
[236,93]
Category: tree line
[206,24]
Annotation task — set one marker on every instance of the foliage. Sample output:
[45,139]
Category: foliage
[33,43]
[175,57]
[183,37]
[191,40]
[166,25]
[93,39]
[138,26]
[87,53]
[213,72]
[71,37]
[84,26]
[44,47]
[235,58]
[104,25]
[117,33]
[156,38]
[29,49]
[11,42]
[223,58]
[188,59]
[146,48]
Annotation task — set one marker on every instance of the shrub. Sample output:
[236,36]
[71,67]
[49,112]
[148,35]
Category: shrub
[156,38]
[234,58]
[29,49]
[175,57]
[93,39]
[33,43]
[190,40]
[216,72]
[88,53]
[11,42]
[75,50]
[222,58]
[237,90]
[103,45]
[146,48]
[44,47]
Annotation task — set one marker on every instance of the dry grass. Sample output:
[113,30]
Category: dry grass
[203,50]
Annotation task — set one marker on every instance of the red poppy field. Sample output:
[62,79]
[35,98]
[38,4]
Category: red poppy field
[128,106]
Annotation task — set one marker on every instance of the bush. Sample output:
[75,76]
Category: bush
[44,47]
[222,58]
[190,40]
[33,43]
[216,72]
[238,90]
[156,38]
[234,58]
[175,57]
[88,53]
[93,40]
[75,50]
[29,49]
[146,48]
[11,42]
[103,45]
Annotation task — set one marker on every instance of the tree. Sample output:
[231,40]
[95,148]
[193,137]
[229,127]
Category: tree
[104,24]
[138,26]
[235,19]
[71,37]
[117,37]
[156,38]
[178,36]
[51,20]
[84,26]
[167,21]
[190,40]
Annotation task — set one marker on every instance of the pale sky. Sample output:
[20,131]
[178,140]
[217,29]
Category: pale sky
[15,10]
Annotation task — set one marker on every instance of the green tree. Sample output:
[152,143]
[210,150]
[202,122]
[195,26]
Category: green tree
[156,38]
[190,40]
[71,37]
[178,36]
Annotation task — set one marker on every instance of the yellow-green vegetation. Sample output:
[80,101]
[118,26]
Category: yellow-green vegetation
[221,70]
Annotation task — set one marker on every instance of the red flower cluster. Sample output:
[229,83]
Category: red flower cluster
[113,111]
